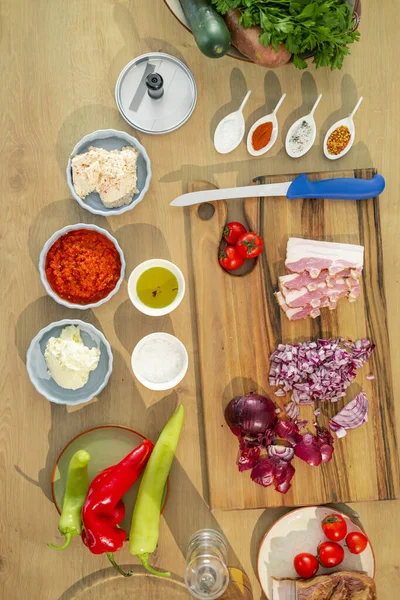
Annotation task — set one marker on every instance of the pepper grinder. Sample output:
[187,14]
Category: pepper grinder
[207,576]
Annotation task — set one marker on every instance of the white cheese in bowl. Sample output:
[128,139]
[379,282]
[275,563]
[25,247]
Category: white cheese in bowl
[110,173]
[68,360]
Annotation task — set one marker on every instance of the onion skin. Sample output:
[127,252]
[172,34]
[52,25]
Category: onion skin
[251,415]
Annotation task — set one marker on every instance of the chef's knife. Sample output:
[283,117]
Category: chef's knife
[332,189]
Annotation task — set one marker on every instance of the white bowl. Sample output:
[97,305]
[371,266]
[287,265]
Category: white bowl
[111,139]
[42,264]
[45,384]
[164,385]
[137,272]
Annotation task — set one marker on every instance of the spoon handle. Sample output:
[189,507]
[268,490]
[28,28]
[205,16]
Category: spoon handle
[245,100]
[357,106]
[279,104]
[318,100]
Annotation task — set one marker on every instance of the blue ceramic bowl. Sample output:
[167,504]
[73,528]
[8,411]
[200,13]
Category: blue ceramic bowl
[42,265]
[111,139]
[45,384]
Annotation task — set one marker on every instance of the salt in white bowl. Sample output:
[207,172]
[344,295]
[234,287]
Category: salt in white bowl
[145,266]
[142,369]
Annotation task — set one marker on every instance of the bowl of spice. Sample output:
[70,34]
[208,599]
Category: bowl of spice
[156,287]
[340,137]
[81,266]
[160,361]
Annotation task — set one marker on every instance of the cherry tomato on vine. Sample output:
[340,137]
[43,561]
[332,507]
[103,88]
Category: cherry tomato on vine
[230,259]
[356,542]
[249,245]
[330,554]
[232,231]
[306,565]
[334,527]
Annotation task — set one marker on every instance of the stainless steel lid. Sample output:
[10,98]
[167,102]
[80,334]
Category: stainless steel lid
[156,93]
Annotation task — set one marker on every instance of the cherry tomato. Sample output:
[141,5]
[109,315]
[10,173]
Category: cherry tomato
[233,231]
[230,259]
[249,245]
[357,542]
[334,527]
[306,565]
[330,554]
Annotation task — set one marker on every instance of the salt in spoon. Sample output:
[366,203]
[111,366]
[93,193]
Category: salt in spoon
[309,122]
[230,131]
[347,122]
[268,118]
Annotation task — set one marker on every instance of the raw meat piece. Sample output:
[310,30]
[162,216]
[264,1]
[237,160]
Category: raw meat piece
[313,256]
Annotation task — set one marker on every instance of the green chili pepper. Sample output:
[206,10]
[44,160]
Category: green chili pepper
[144,532]
[70,523]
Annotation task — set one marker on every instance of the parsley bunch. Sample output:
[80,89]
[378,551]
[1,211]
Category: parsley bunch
[321,27]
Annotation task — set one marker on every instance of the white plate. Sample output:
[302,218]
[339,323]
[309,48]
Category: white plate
[300,531]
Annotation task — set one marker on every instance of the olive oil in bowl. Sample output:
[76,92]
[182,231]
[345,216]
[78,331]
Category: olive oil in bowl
[157,287]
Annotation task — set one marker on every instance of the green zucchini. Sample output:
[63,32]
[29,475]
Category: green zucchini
[208,27]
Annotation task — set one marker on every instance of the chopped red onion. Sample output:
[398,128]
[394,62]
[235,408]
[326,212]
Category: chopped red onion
[282,452]
[320,370]
[315,449]
[292,410]
[354,414]
[370,377]
[275,471]
[248,457]
[288,430]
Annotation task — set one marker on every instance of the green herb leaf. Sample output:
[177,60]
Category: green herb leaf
[323,27]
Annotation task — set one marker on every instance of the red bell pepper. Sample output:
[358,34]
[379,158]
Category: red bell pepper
[104,508]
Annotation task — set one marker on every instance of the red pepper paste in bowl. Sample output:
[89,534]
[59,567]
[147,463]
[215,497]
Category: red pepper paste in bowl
[83,266]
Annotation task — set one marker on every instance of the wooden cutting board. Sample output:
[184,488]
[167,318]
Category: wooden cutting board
[239,325]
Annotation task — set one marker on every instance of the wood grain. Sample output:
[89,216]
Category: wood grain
[240,324]
[59,62]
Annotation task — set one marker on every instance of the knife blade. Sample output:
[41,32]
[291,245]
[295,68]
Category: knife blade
[340,188]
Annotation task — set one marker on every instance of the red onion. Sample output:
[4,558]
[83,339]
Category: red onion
[275,471]
[248,457]
[354,414]
[288,430]
[282,452]
[315,449]
[251,415]
[308,450]
[320,370]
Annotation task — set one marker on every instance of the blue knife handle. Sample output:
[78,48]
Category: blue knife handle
[336,189]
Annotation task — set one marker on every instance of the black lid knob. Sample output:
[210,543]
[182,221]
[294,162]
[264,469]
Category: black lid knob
[155,83]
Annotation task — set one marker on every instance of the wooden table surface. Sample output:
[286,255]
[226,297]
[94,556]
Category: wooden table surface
[60,61]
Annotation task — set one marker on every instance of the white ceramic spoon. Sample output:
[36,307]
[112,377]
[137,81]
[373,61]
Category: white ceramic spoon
[309,122]
[271,117]
[347,122]
[230,131]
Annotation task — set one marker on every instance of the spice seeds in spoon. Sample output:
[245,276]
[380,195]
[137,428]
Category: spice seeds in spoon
[340,137]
